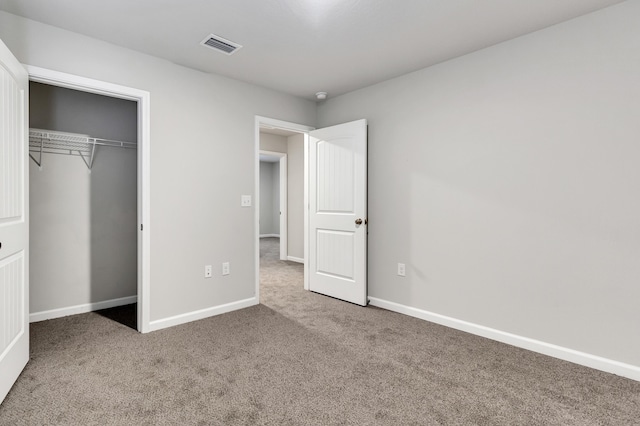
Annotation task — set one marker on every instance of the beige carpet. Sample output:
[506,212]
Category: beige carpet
[300,359]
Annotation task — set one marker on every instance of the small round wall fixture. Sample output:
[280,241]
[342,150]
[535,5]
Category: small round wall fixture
[321,96]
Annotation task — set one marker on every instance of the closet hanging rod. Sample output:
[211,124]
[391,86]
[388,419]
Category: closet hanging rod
[53,142]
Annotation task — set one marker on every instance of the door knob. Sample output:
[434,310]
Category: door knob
[358,221]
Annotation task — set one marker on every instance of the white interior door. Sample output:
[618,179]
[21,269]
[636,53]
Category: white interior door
[338,211]
[14,295]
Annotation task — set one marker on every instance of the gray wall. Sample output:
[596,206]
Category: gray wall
[83,225]
[507,180]
[199,166]
[295,195]
[269,198]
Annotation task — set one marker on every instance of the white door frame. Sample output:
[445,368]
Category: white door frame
[285,125]
[284,225]
[70,81]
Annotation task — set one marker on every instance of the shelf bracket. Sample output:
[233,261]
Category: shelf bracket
[89,162]
[39,163]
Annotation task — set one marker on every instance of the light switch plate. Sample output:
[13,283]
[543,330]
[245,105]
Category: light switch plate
[402,270]
[245,200]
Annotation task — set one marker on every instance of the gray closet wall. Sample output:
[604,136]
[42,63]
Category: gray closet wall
[83,227]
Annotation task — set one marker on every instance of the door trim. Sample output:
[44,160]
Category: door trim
[142,97]
[285,125]
[282,183]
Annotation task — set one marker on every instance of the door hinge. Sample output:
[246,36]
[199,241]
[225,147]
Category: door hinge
[141,227]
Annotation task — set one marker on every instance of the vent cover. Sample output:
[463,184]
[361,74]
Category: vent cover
[220,44]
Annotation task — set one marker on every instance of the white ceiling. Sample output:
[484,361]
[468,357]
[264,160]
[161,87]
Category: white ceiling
[305,46]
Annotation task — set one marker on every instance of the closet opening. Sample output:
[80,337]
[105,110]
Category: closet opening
[87,251]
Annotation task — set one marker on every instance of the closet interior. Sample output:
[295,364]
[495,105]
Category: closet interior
[83,201]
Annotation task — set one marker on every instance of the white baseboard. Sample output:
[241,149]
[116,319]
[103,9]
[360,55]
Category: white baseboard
[201,314]
[81,309]
[295,259]
[577,357]
[269,235]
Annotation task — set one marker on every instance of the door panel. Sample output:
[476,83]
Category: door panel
[337,199]
[12,289]
[14,272]
[336,163]
[336,253]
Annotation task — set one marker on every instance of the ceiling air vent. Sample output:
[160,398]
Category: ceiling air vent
[220,44]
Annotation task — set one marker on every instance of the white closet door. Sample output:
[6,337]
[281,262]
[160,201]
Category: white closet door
[14,295]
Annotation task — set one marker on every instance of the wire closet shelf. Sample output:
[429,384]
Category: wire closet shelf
[84,146]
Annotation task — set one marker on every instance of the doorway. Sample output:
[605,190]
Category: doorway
[334,208]
[140,187]
[280,140]
[273,193]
